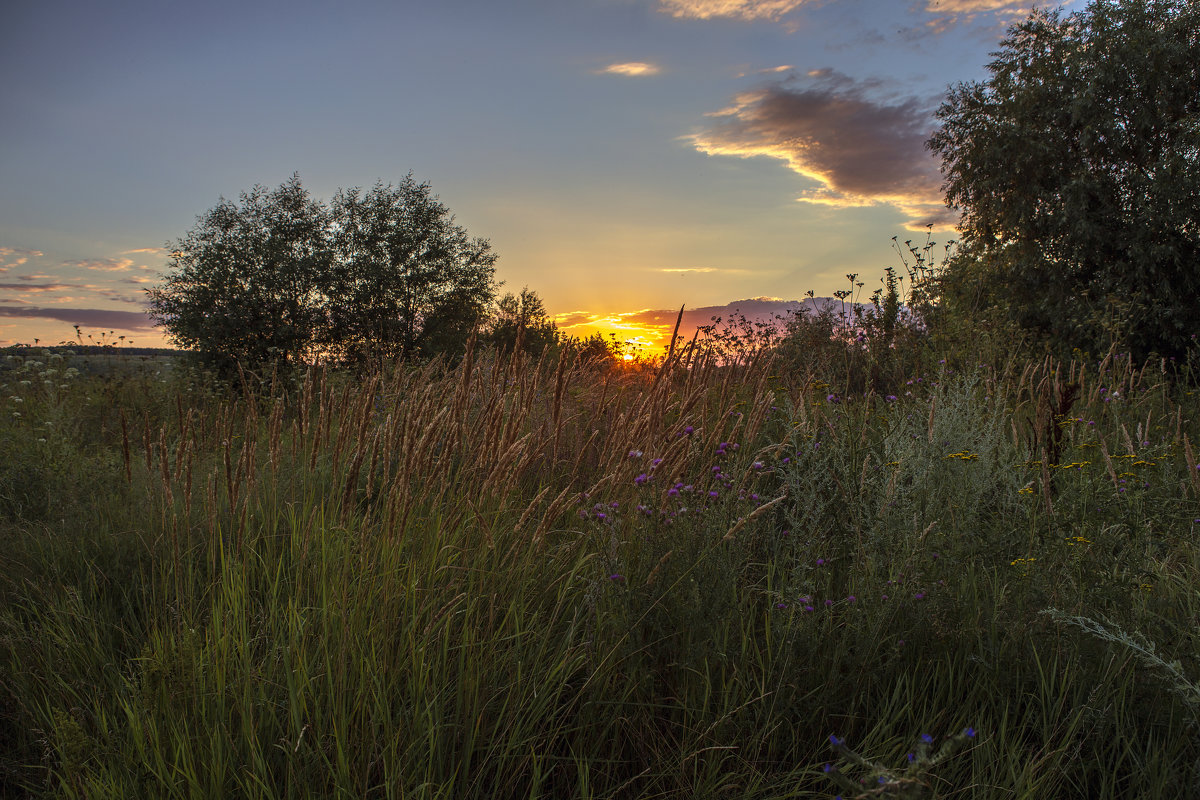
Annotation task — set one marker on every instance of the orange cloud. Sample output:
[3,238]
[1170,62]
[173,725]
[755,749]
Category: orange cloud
[15,256]
[102,264]
[630,69]
[35,288]
[737,9]
[950,12]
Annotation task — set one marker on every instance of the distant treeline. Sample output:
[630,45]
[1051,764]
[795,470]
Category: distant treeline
[90,350]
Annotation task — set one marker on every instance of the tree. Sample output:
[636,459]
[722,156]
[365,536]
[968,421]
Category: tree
[246,283]
[1076,166]
[280,277]
[408,282]
[523,317]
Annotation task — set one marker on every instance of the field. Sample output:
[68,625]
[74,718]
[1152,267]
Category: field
[511,578]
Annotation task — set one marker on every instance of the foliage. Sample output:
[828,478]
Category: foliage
[595,350]
[281,278]
[407,282]
[522,318]
[247,282]
[1075,165]
[521,578]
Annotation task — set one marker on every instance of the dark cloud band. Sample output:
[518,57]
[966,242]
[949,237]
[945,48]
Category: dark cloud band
[860,149]
[94,317]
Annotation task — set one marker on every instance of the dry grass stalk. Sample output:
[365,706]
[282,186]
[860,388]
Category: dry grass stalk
[1190,456]
[1046,484]
[125,449]
[1108,464]
[147,442]
[185,435]
[531,507]
[653,576]
[553,511]
[758,512]
[350,489]
[560,386]
[230,484]
[274,430]
[323,402]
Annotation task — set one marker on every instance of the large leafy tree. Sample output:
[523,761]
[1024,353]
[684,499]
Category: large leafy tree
[408,281]
[281,277]
[246,284]
[1076,166]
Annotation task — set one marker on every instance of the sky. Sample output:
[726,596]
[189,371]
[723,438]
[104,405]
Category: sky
[624,157]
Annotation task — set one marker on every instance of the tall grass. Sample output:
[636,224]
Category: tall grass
[517,578]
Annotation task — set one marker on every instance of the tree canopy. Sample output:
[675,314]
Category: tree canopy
[1075,165]
[384,273]
[523,318]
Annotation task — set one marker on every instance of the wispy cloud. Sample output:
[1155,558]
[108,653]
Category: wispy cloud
[147,250]
[15,256]
[96,317]
[1004,12]
[686,270]
[35,288]
[860,147]
[569,319]
[737,9]
[985,6]
[102,264]
[630,69]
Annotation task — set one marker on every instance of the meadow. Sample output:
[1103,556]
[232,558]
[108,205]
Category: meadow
[739,577]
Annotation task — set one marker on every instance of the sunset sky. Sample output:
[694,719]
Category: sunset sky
[624,157]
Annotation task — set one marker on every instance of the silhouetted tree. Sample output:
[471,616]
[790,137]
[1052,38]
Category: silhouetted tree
[247,283]
[280,277]
[523,316]
[407,281]
[1075,165]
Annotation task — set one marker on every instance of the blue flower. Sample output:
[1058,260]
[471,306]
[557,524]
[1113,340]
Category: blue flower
[834,740]
[926,738]
[969,733]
